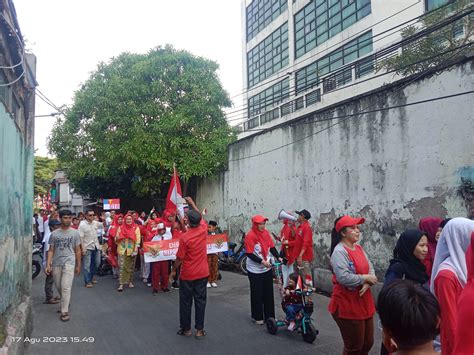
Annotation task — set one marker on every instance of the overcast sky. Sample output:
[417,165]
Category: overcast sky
[70,37]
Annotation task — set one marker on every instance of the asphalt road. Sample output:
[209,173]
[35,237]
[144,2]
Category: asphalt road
[104,321]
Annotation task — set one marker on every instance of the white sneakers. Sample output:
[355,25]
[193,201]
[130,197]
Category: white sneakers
[259,322]
[211,284]
[292,326]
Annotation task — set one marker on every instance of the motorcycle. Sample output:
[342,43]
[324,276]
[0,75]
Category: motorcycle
[37,259]
[234,259]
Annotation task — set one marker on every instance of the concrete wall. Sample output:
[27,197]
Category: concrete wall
[391,167]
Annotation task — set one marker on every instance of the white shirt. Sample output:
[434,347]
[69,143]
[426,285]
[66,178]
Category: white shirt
[166,236]
[88,234]
[40,224]
[257,268]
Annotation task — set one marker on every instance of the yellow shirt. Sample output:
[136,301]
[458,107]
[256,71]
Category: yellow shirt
[128,246]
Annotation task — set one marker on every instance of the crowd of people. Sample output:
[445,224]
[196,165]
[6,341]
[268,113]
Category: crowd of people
[425,304]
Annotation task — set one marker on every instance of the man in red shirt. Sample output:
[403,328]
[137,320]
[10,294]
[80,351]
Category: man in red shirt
[303,249]
[192,257]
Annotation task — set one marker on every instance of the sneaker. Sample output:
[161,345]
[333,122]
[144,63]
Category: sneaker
[148,284]
[166,290]
[94,281]
[213,284]
[259,322]
[209,285]
[175,286]
[89,285]
[292,325]
[145,281]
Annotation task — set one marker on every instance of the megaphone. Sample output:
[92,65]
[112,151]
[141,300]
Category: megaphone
[285,215]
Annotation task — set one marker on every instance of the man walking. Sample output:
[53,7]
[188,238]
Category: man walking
[64,258]
[90,248]
[192,257]
[304,245]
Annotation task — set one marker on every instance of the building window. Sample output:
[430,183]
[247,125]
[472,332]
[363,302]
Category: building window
[322,19]
[269,98]
[433,4]
[260,13]
[268,57]
[310,76]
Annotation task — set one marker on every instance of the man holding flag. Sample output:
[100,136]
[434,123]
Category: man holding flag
[192,257]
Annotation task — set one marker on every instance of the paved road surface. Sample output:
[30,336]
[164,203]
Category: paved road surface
[135,322]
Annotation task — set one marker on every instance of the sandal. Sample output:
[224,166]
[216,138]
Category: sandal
[184,333]
[120,288]
[64,317]
[200,334]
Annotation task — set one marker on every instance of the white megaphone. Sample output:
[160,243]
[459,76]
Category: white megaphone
[285,215]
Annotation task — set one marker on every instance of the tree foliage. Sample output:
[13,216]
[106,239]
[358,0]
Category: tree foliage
[436,47]
[44,168]
[136,116]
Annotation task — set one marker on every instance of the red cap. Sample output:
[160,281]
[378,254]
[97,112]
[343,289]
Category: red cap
[347,221]
[259,219]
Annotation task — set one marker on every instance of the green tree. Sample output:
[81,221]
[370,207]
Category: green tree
[437,47]
[136,116]
[44,172]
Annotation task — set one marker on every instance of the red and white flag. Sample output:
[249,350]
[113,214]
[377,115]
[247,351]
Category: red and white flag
[299,284]
[174,200]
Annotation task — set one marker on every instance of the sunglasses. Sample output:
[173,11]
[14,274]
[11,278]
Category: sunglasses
[90,215]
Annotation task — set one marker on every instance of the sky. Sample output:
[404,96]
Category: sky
[70,37]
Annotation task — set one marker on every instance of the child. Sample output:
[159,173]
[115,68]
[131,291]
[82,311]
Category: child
[292,302]
[410,317]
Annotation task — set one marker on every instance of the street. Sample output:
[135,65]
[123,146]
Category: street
[135,322]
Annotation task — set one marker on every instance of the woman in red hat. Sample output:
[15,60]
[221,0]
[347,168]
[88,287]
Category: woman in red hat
[259,245]
[352,305]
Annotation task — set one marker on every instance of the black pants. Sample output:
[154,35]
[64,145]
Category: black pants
[189,290]
[261,295]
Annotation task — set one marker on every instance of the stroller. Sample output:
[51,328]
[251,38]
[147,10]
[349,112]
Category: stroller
[303,322]
[105,266]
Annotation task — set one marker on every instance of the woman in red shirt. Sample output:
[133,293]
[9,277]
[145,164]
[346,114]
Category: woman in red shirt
[449,276]
[464,340]
[352,305]
[430,226]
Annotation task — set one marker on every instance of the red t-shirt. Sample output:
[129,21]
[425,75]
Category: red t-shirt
[347,303]
[304,238]
[288,233]
[447,289]
[192,251]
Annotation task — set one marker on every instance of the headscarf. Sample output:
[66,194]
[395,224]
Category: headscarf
[464,341]
[127,231]
[430,225]
[451,251]
[115,224]
[167,222]
[403,259]
[255,236]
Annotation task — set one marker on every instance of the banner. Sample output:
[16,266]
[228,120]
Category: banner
[167,249]
[111,203]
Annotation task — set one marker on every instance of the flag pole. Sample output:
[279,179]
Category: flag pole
[175,188]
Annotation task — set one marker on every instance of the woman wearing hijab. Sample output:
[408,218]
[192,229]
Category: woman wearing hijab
[351,304]
[258,245]
[112,250]
[449,276]
[127,239]
[430,225]
[408,256]
[407,262]
[464,340]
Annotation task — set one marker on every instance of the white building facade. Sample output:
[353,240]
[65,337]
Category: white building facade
[303,55]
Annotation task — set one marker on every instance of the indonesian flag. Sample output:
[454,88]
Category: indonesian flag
[299,283]
[175,195]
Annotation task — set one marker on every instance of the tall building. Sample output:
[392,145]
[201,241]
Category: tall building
[304,55]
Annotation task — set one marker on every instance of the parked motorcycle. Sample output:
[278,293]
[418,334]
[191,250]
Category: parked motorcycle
[234,259]
[37,259]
